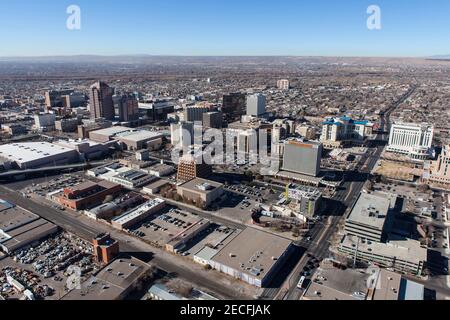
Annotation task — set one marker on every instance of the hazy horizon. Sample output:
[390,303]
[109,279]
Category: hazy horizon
[218,56]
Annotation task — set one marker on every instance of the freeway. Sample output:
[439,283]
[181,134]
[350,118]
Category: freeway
[88,232]
[77,166]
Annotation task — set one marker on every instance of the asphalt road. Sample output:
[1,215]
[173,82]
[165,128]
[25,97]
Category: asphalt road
[321,232]
[88,232]
[346,195]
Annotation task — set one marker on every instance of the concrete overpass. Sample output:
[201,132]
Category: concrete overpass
[79,166]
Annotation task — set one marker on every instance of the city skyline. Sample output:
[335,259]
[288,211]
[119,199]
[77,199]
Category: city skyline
[200,28]
[229,153]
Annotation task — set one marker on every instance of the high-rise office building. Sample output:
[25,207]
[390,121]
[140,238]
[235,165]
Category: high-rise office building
[101,102]
[126,107]
[213,120]
[283,84]
[256,105]
[413,140]
[157,109]
[233,106]
[54,98]
[194,113]
[73,100]
[302,157]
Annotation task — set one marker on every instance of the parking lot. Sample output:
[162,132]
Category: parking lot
[45,267]
[160,228]
[214,236]
[246,191]
[238,208]
[43,187]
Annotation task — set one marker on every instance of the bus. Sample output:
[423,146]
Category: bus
[300,282]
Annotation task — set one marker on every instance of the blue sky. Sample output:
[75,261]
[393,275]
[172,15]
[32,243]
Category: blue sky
[225,27]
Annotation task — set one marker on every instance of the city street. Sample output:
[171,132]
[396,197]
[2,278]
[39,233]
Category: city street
[164,261]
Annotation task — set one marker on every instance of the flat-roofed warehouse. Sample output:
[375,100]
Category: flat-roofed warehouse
[132,139]
[135,215]
[141,140]
[30,155]
[336,284]
[114,282]
[370,216]
[253,256]
[19,227]
[108,134]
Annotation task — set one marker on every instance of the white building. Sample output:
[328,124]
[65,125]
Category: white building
[338,131]
[413,140]
[32,155]
[138,214]
[87,149]
[438,172]
[256,105]
[129,178]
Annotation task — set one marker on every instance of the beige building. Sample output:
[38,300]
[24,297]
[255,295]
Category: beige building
[253,256]
[200,191]
[283,84]
[114,282]
[438,172]
[306,131]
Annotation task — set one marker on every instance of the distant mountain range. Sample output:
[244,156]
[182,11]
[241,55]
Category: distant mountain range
[94,57]
[174,60]
[441,57]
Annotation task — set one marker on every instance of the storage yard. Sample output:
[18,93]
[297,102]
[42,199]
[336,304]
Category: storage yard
[44,269]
